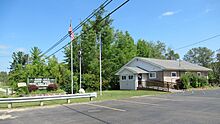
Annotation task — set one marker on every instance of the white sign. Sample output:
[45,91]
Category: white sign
[22,84]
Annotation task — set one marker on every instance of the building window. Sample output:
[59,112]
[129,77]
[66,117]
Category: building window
[198,73]
[173,74]
[123,77]
[130,77]
[152,75]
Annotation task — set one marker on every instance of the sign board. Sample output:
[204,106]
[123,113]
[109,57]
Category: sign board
[22,84]
[42,83]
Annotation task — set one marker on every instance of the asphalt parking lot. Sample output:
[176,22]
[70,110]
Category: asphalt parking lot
[191,107]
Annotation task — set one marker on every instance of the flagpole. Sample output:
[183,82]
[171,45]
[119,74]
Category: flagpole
[71,54]
[71,47]
[100,61]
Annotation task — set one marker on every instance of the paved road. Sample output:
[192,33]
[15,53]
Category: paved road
[197,107]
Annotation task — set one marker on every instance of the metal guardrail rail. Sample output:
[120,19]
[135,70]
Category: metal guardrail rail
[46,98]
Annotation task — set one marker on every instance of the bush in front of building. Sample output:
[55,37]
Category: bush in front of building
[192,80]
[32,88]
[203,81]
[52,87]
[185,81]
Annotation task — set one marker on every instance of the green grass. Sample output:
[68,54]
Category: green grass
[2,93]
[106,95]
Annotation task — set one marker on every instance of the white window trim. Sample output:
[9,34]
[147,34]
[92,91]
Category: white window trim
[172,73]
[131,76]
[154,76]
[199,73]
[123,76]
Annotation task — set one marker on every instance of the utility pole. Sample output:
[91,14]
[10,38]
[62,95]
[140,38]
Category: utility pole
[100,61]
[80,64]
[80,69]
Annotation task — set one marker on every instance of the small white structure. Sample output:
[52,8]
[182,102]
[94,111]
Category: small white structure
[140,71]
[82,91]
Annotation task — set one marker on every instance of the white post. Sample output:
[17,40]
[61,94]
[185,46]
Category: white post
[100,61]
[71,47]
[80,71]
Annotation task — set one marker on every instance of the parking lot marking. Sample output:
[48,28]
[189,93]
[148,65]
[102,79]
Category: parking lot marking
[163,99]
[143,103]
[115,109]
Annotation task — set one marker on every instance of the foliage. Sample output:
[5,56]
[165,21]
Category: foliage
[192,80]
[52,87]
[203,81]
[3,78]
[151,49]
[201,56]
[90,82]
[19,58]
[214,76]
[21,91]
[185,81]
[171,55]
[32,88]
[47,92]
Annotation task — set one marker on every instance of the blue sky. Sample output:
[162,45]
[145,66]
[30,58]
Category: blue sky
[41,23]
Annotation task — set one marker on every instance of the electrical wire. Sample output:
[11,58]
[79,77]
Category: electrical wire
[103,5]
[197,42]
[89,28]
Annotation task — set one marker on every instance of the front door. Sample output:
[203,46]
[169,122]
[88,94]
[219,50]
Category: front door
[140,80]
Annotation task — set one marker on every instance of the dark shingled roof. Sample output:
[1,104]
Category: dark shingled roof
[174,64]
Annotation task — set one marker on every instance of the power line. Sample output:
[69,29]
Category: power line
[90,28]
[103,5]
[198,42]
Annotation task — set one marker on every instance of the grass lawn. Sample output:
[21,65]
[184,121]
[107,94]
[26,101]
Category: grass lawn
[106,95]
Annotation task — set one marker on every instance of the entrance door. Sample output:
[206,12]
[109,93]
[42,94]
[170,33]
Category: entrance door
[140,80]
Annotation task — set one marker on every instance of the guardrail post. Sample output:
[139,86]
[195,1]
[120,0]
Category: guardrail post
[41,103]
[9,105]
[68,101]
[90,98]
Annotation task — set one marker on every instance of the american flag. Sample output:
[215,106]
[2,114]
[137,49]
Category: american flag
[71,33]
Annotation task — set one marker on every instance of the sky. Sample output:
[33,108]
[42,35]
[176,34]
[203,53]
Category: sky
[28,23]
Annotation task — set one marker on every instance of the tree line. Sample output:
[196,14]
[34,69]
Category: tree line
[118,48]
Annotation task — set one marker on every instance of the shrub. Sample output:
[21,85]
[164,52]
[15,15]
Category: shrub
[194,80]
[32,88]
[21,91]
[185,81]
[90,82]
[203,81]
[52,87]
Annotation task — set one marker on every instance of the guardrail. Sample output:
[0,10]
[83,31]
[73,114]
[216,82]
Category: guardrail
[46,98]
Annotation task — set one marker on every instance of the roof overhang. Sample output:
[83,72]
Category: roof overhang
[134,70]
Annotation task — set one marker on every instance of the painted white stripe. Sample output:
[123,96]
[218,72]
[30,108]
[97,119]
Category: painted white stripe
[101,106]
[142,103]
[163,98]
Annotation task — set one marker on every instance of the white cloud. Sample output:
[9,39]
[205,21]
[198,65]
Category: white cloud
[21,49]
[3,47]
[169,13]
